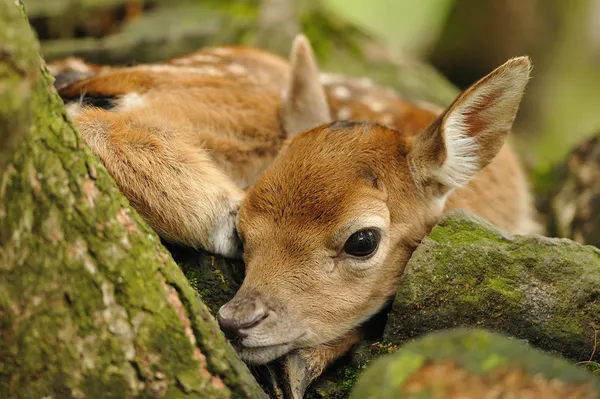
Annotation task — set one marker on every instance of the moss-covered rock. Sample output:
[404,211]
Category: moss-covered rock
[474,364]
[91,305]
[466,273]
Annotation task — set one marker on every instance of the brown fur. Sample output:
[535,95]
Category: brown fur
[201,129]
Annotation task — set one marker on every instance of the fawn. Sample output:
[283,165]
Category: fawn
[327,182]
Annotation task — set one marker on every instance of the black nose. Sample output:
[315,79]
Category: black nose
[234,317]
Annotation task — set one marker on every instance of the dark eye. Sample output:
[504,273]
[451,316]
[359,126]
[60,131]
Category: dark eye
[362,243]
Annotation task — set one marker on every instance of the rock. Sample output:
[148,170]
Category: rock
[474,363]
[466,273]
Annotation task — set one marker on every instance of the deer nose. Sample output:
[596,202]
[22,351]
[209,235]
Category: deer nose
[236,316]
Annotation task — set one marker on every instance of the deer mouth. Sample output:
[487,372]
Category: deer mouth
[264,354]
[260,353]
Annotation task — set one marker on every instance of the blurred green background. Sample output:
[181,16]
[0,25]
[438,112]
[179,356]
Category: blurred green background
[402,43]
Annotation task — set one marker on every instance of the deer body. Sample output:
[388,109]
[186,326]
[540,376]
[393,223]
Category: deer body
[236,140]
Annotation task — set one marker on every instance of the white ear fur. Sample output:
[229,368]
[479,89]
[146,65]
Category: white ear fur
[481,116]
[304,104]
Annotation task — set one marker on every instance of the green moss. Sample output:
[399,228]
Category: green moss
[478,352]
[214,278]
[91,304]
[112,386]
[506,289]
[467,273]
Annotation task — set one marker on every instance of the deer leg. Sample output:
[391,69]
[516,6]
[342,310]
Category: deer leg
[175,186]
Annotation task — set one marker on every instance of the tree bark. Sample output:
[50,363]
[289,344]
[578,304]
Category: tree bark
[19,68]
[91,304]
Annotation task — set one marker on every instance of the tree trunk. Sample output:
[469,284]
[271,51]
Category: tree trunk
[91,304]
[19,68]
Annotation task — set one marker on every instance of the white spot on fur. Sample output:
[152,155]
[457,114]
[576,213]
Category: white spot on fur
[342,93]
[130,101]
[76,65]
[222,51]
[376,106]
[201,70]
[73,109]
[331,78]
[344,113]
[210,70]
[373,104]
[237,69]
[205,58]
[183,61]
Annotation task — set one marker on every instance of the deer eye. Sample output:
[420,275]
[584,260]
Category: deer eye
[362,243]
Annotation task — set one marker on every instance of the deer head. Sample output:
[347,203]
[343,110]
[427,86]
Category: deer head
[329,226]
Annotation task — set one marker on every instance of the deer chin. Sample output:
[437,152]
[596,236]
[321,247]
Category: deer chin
[264,354]
[263,348]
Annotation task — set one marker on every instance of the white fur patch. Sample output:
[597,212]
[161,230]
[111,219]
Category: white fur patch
[197,58]
[461,162]
[331,78]
[341,93]
[386,119]
[237,69]
[200,70]
[74,108]
[205,58]
[223,236]
[376,106]
[130,101]
[373,103]
[77,65]
[221,51]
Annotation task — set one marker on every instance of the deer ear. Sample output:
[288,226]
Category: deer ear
[471,132]
[304,104]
